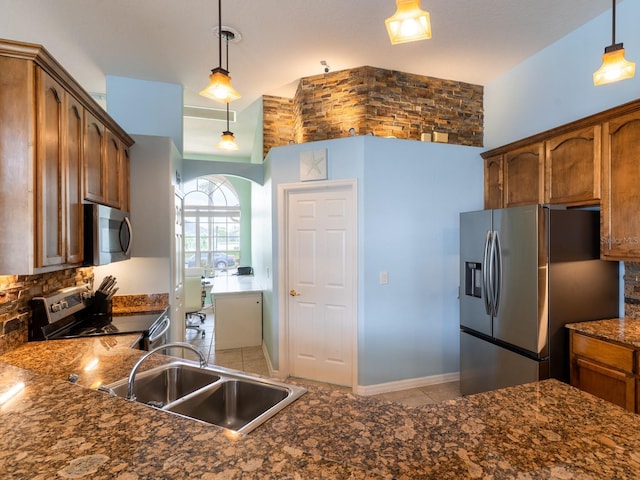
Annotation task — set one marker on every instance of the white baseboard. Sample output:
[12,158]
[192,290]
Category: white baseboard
[381,387]
[407,384]
[272,372]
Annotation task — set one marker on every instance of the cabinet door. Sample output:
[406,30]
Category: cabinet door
[573,167]
[112,176]
[523,175]
[493,182]
[94,139]
[238,320]
[124,180]
[620,192]
[50,181]
[75,220]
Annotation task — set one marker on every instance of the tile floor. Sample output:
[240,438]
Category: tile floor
[252,360]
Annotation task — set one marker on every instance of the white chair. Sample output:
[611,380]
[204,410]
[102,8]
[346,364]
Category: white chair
[193,303]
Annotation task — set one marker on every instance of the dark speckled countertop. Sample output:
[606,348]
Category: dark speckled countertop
[54,429]
[625,331]
[142,303]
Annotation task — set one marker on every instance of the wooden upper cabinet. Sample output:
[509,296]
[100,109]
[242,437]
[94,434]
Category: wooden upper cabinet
[112,170]
[59,215]
[561,167]
[74,150]
[52,153]
[50,172]
[620,192]
[572,167]
[124,183]
[106,166]
[94,153]
[493,182]
[524,175]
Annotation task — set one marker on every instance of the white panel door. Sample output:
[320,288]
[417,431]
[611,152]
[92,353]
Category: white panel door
[321,263]
[177,330]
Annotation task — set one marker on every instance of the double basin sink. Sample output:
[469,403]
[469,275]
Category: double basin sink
[228,398]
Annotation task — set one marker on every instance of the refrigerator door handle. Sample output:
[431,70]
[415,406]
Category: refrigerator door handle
[487,294]
[497,272]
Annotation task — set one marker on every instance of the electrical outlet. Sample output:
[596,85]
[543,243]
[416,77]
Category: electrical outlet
[384,278]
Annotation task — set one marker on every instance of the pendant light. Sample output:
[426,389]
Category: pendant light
[614,66]
[409,23]
[228,141]
[219,87]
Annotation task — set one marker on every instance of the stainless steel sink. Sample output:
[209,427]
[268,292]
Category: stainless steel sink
[227,398]
[162,385]
[232,404]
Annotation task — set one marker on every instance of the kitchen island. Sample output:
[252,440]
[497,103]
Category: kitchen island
[238,311]
[55,429]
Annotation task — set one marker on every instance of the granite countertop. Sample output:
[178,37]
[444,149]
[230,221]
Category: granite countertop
[140,303]
[625,331]
[54,429]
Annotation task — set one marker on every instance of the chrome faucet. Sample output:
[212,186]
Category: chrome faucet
[134,370]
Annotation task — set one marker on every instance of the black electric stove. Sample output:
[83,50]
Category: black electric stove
[75,312]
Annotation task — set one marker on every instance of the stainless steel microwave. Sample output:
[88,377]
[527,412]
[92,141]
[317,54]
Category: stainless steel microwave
[107,235]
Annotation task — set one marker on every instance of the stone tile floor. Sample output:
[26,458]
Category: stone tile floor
[252,360]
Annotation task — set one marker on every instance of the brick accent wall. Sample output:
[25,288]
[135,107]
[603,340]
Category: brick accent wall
[17,290]
[369,99]
[278,122]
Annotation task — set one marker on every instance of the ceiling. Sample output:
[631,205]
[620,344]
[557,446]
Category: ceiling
[282,41]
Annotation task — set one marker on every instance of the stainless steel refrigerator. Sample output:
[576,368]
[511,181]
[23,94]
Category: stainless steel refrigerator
[525,272]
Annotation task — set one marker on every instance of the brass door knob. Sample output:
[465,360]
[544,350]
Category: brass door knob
[293,293]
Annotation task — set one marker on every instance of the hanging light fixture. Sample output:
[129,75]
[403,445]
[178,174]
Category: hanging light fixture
[409,23]
[228,140]
[220,88]
[614,66]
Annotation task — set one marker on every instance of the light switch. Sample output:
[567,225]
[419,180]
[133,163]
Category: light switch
[384,278]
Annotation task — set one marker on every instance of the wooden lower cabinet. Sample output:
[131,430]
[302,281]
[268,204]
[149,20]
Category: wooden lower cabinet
[606,370]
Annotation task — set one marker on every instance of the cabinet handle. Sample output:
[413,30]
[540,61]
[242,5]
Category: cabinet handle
[293,293]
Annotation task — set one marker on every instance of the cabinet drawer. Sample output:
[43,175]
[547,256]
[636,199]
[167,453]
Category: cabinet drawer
[606,353]
[612,385]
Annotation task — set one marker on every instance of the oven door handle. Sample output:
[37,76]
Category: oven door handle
[163,326]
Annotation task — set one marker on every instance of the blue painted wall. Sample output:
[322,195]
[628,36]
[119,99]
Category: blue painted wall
[146,108]
[413,195]
[555,86]
[409,197]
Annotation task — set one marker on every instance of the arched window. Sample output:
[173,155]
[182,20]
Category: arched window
[211,224]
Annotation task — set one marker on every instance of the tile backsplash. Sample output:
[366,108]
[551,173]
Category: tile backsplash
[17,290]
